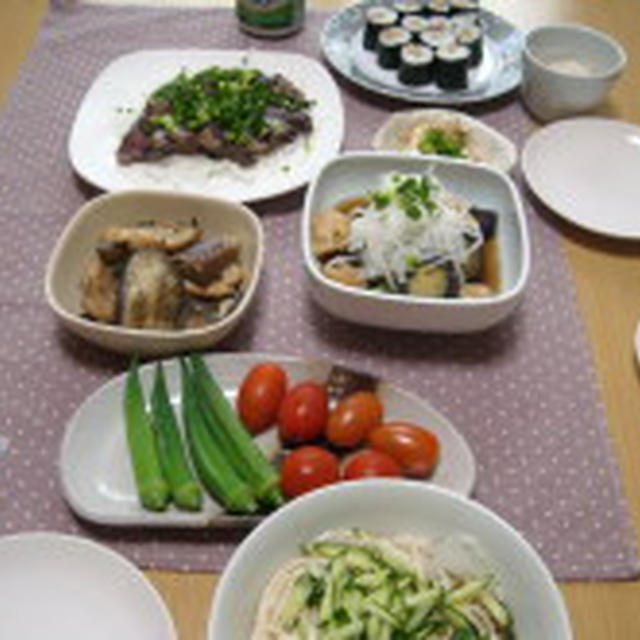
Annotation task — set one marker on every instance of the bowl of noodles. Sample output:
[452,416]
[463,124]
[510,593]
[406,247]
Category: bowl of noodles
[428,565]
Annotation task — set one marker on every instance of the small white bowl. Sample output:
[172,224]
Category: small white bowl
[388,507]
[487,145]
[215,216]
[568,69]
[355,174]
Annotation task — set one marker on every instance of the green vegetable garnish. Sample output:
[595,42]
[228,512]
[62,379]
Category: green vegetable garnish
[235,99]
[443,143]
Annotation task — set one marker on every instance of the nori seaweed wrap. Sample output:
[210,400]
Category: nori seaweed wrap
[472,37]
[465,7]
[390,41]
[377,19]
[452,66]
[416,65]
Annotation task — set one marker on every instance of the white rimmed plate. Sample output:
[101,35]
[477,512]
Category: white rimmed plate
[63,587]
[500,72]
[486,145]
[586,170]
[119,93]
[97,480]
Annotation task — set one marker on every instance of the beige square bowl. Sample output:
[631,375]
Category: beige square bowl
[215,216]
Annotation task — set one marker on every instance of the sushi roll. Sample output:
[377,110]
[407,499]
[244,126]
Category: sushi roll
[471,37]
[377,19]
[452,66]
[440,8]
[407,8]
[436,39]
[390,41]
[439,24]
[415,25]
[416,65]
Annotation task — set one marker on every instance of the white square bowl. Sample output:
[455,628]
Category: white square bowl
[214,216]
[354,174]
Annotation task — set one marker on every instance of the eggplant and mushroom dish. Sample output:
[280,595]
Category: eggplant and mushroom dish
[234,114]
[413,237]
[160,275]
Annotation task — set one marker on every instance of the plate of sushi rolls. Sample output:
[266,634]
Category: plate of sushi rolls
[428,51]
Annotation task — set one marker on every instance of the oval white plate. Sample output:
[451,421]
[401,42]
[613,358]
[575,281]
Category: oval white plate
[494,149]
[62,587]
[119,93]
[98,483]
[586,170]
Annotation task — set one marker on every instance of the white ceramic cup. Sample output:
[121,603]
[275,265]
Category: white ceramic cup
[568,69]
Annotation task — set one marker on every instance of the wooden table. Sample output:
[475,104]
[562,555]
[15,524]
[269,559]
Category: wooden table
[607,274]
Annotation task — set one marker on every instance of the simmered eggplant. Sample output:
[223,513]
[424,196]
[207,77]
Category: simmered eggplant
[435,282]
[226,285]
[488,221]
[151,291]
[204,261]
[99,290]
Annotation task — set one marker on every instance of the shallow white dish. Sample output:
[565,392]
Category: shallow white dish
[490,146]
[388,507]
[78,240]
[354,174]
[63,587]
[95,472]
[119,93]
[586,170]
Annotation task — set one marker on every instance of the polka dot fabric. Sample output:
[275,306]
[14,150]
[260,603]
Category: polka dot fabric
[524,394]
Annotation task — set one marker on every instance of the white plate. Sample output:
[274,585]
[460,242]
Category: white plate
[490,146]
[120,92]
[587,171]
[61,587]
[98,483]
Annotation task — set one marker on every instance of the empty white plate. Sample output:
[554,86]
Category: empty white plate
[587,170]
[62,587]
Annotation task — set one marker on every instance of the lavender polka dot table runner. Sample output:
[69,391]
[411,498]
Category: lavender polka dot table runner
[524,394]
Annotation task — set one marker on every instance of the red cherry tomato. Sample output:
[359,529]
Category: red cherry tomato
[416,450]
[260,396]
[371,464]
[303,413]
[308,468]
[354,418]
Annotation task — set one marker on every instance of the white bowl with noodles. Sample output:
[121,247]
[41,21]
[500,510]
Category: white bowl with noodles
[356,174]
[215,216]
[404,131]
[389,507]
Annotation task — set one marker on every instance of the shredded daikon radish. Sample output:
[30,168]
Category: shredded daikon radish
[412,220]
